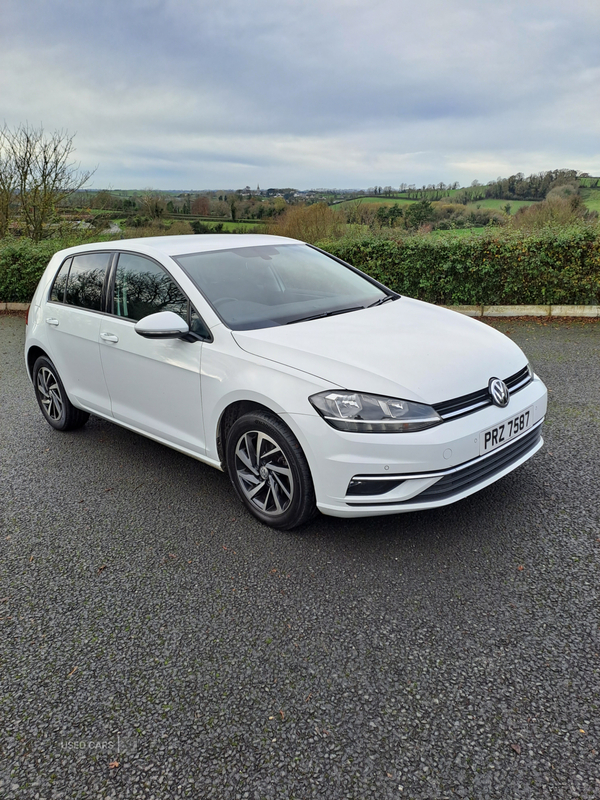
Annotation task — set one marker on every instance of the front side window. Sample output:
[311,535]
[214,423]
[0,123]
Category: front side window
[86,280]
[142,288]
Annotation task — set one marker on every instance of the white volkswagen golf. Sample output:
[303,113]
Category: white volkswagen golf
[311,384]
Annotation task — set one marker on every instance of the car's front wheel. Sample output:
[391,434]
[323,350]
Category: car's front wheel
[52,398]
[269,471]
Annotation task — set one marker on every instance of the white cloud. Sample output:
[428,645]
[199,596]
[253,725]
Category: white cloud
[304,93]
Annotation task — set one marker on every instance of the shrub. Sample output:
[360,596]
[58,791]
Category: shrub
[179,227]
[553,266]
[22,263]
[556,211]
[308,223]
[502,266]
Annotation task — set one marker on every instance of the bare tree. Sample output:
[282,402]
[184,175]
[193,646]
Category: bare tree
[8,184]
[40,174]
[153,203]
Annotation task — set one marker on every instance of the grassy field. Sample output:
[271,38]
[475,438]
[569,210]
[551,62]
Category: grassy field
[376,201]
[236,227]
[388,201]
[498,205]
[591,197]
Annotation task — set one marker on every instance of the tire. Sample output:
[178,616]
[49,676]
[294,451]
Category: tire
[52,398]
[269,471]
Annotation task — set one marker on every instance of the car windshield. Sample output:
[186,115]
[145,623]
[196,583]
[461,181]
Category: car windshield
[265,286]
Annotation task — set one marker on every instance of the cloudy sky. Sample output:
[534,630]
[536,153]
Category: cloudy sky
[193,94]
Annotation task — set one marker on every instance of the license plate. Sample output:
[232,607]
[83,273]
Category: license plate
[507,430]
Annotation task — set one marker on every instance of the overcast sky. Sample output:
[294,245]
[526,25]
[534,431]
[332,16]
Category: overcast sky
[192,94]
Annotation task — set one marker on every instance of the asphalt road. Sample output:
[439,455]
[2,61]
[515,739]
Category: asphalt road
[157,642]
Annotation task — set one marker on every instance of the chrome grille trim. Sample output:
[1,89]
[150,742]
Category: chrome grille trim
[468,403]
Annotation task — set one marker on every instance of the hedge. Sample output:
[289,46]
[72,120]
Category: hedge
[22,263]
[497,268]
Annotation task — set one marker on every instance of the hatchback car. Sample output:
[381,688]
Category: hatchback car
[311,384]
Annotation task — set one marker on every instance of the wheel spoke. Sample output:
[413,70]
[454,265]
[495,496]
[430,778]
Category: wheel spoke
[281,470]
[256,490]
[251,452]
[274,493]
[57,403]
[273,450]
[249,477]
[282,486]
[245,459]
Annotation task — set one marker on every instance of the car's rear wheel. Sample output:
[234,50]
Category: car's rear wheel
[52,398]
[269,471]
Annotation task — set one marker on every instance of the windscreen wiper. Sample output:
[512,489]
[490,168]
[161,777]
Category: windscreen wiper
[326,314]
[383,300]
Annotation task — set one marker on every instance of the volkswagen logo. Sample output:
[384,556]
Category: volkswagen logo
[498,392]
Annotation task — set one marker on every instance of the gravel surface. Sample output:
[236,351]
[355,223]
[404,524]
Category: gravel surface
[157,642]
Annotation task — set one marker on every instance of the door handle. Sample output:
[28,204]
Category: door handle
[109,337]
[52,321]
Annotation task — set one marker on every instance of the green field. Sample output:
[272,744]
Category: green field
[235,227]
[498,205]
[378,201]
[591,198]
[591,181]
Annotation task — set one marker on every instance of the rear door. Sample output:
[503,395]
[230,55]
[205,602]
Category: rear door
[72,321]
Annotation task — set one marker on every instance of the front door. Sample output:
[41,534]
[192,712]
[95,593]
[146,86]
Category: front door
[154,384]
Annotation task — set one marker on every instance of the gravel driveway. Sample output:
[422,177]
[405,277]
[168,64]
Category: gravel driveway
[157,642]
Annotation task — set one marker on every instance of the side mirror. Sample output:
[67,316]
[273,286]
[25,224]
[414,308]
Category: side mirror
[162,325]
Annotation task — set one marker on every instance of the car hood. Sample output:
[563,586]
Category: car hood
[404,348]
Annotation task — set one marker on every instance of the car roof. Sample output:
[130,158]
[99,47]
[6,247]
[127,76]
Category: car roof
[189,243]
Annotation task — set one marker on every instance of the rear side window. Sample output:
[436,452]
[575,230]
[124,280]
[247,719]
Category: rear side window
[142,288]
[60,282]
[86,280]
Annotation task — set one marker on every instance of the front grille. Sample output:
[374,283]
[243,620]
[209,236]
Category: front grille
[480,469]
[468,403]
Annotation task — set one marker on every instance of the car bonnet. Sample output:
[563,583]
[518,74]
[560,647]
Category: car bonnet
[404,348]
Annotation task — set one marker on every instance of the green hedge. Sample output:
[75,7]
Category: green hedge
[22,263]
[496,268]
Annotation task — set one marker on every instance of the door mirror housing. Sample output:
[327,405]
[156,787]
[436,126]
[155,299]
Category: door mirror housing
[162,325]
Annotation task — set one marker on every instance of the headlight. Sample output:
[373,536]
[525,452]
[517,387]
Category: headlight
[370,413]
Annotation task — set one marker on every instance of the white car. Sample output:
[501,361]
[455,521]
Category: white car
[311,384]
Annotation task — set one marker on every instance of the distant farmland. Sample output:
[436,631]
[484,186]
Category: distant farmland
[497,205]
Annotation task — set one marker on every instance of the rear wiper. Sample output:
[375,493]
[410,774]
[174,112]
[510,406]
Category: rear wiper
[326,314]
[383,300]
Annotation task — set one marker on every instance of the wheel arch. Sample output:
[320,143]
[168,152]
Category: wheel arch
[33,354]
[229,415]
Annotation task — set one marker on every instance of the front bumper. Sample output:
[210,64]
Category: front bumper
[427,469]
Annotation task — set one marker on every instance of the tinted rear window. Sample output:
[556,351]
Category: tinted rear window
[86,280]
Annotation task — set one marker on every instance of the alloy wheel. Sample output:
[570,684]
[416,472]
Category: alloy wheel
[263,472]
[50,394]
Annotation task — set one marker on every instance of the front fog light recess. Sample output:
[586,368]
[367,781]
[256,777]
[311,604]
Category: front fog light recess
[369,413]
